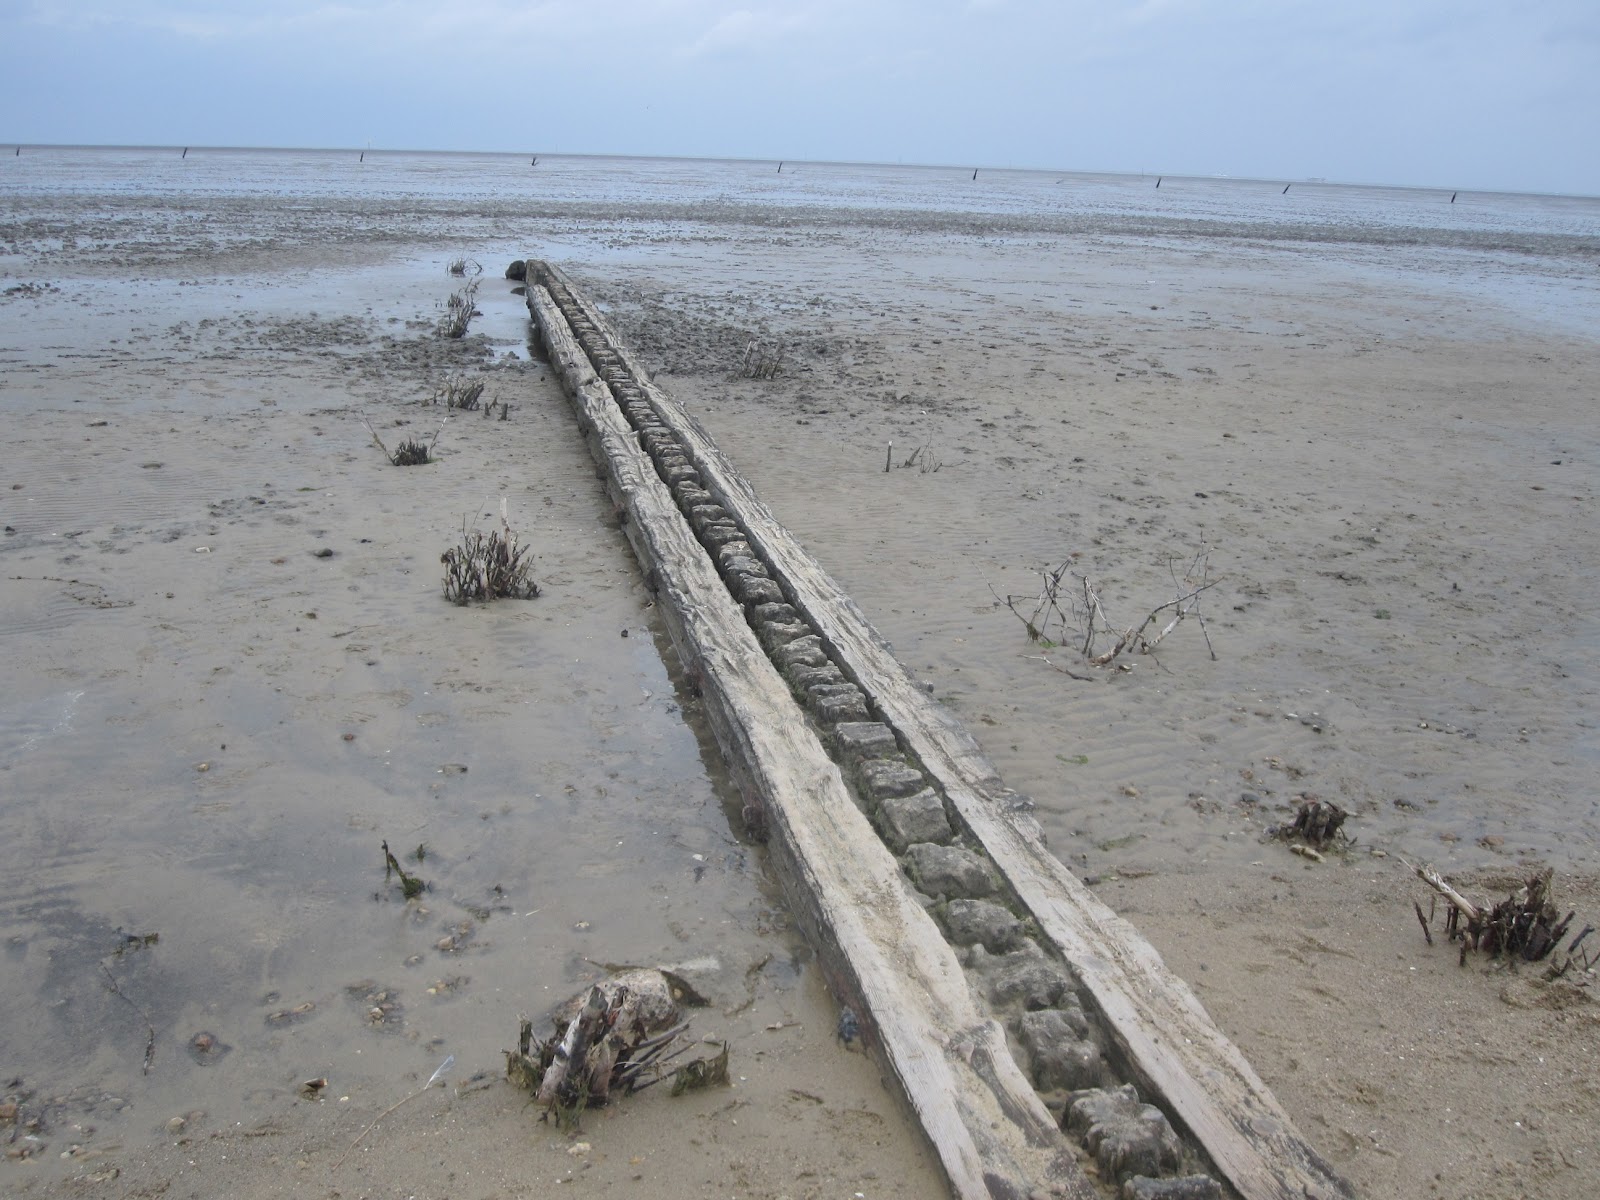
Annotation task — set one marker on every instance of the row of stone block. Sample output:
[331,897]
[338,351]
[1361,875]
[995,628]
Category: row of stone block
[1132,1143]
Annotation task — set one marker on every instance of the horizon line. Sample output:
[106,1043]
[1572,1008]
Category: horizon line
[1313,181]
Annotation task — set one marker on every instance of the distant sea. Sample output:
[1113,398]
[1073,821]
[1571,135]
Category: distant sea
[1542,252]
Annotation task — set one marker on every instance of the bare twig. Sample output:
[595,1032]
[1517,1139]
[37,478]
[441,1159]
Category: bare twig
[150,1026]
[1434,880]
[1053,620]
[376,438]
[1423,921]
[436,1077]
[458,392]
[761,361]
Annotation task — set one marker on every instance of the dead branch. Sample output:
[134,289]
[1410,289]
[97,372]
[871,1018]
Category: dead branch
[376,438]
[150,1026]
[1134,635]
[1053,619]
[1434,880]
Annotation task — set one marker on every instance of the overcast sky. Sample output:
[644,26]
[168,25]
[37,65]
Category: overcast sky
[1448,93]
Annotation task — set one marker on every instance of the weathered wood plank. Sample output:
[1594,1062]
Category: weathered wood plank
[882,952]
[1161,1030]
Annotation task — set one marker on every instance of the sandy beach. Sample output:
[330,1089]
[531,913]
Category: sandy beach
[1373,420]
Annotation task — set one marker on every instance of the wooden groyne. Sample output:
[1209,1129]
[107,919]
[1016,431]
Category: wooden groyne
[1038,1038]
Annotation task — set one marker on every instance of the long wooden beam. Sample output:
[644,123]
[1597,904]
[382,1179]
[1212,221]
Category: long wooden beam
[883,953]
[1154,1026]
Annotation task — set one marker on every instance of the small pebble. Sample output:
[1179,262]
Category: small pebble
[849,1027]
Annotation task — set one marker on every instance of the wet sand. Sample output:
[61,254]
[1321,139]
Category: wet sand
[209,729]
[1388,453]
[1394,491]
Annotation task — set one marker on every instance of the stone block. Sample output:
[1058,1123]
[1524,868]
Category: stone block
[836,702]
[1033,981]
[774,612]
[983,923]
[949,872]
[740,564]
[1126,1137]
[856,740]
[721,534]
[1063,1057]
[690,494]
[802,676]
[885,777]
[780,633]
[906,820]
[1187,1187]
[750,588]
[803,651]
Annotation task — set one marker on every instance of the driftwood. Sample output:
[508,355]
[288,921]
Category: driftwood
[880,952]
[1433,879]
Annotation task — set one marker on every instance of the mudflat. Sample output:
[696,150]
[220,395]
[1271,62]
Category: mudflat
[1374,426]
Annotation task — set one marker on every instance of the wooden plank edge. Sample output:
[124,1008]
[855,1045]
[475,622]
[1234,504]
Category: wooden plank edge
[882,952]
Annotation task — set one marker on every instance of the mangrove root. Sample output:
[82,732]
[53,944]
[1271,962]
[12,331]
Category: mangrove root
[614,1038]
[458,392]
[459,310]
[1525,925]
[488,565]
[1317,822]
